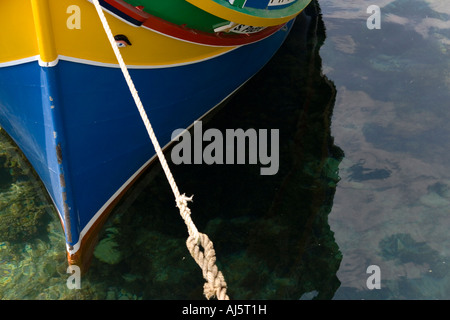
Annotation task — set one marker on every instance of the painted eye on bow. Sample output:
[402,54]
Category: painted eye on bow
[121,44]
[122,40]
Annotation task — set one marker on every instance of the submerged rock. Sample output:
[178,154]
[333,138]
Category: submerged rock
[438,196]
[107,251]
[403,249]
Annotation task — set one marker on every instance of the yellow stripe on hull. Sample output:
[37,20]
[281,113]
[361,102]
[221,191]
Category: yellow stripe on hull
[78,34]
[18,36]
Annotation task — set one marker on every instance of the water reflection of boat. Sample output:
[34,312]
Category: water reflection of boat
[64,102]
[293,237]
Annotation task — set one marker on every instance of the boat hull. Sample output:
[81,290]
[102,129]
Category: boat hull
[76,122]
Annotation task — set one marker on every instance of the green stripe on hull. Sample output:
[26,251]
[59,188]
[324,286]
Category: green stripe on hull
[181,12]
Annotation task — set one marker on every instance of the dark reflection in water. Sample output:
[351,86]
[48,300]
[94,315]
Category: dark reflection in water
[271,233]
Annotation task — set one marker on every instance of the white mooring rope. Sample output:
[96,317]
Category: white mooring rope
[215,282]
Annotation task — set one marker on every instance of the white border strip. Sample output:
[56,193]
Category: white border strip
[104,64]
[162,66]
[48,64]
[29,59]
[19,61]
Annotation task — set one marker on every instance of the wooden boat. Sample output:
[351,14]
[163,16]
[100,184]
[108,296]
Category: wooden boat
[64,101]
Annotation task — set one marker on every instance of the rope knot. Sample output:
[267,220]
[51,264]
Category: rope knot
[204,254]
[185,212]
[182,201]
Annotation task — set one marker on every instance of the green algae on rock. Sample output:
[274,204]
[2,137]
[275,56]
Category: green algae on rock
[107,250]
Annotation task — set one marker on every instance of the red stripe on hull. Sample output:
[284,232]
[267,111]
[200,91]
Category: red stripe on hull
[221,39]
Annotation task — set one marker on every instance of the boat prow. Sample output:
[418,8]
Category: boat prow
[64,101]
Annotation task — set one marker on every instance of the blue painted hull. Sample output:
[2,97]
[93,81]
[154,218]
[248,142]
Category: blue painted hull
[79,128]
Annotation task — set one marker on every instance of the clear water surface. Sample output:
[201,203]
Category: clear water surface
[364,180]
